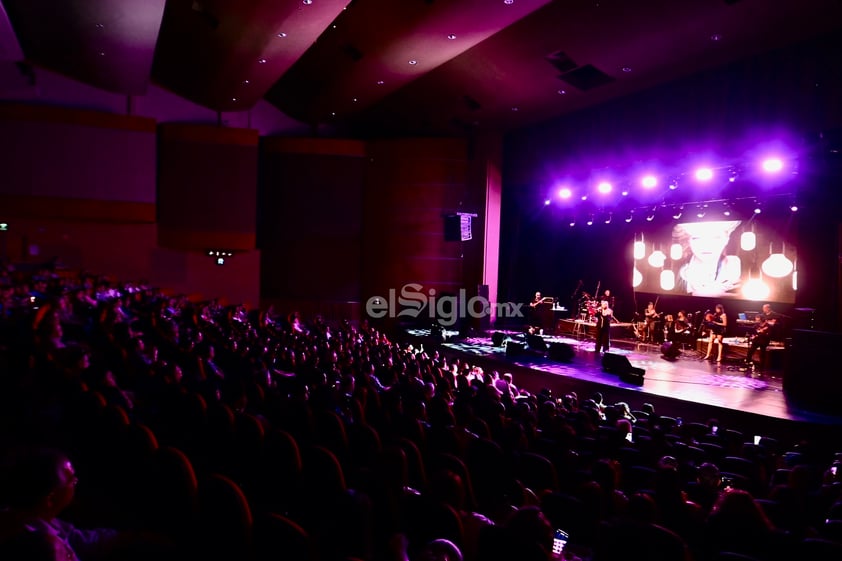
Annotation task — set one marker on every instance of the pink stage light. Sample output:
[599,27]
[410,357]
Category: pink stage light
[649,181]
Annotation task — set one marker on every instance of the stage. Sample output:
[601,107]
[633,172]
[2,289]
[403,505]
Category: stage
[686,383]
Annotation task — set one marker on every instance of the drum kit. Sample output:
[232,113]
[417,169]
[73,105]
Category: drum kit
[588,307]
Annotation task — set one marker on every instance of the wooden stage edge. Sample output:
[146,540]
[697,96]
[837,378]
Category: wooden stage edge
[686,387]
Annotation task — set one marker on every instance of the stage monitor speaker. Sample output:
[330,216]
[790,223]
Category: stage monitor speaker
[497,338]
[633,376]
[561,352]
[536,343]
[515,348]
[615,364]
[670,350]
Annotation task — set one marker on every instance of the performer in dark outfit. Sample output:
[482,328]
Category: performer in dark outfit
[603,327]
[760,339]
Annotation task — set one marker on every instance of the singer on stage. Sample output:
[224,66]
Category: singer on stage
[603,327]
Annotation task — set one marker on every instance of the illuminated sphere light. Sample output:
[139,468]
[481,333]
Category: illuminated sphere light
[777,266]
[676,251]
[794,208]
[547,202]
[657,259]
[637,278]
[757,210]
[565,193]
[755,289]
[649,181]
[590,221]
[704,174]
[604,187]
[772,165]
[748,241]
[639,250]
[667,280]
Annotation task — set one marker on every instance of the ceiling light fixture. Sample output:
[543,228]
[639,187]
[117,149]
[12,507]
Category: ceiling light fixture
[282,34]
[627,69]
[413,62]
[562,92]
[261,61]
[452,36]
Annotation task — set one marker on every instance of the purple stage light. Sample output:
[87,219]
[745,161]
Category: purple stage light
[772,165]
[565,193]
[604,187]
[649,181]
[704,174]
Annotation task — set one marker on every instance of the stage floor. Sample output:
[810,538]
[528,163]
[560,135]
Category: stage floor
[687,380]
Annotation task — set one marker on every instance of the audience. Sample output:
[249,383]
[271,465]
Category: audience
[150,392]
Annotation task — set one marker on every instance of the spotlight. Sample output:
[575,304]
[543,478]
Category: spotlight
[651,217]
[793,208]
[565,193]
[757,210]
[608,219]
[629,217]
[772,165]
[704,174]
[604,187]
[590,220]
[673,185]
[649,181]
[547,202]
[584,197]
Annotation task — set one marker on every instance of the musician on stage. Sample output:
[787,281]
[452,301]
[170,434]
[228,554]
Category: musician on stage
[760,339]
[651,317]
[603,327]
[717,323]
[773,318]
[681,328]
[536,300]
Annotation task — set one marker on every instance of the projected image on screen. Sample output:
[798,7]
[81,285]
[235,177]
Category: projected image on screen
[722,258]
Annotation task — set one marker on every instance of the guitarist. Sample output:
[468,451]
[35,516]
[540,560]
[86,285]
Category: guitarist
[760,339]
[717,323]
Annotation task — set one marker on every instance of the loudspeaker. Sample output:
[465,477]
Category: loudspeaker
[633,376]
[514,348]
[457,228]
[615,364]
[670,350]
[561,352]
[497,338]
[536,342]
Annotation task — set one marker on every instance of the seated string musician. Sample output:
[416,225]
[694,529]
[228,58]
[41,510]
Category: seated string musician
[760,339]
[717,323]
[652,319]
[682,328]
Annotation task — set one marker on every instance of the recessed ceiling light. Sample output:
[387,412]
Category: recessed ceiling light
[452,36]
[627,69]
[716,37]
[562,92]
[413,62]
[282,34]
[261,60]
[233,99]
[246,82]
[100,26]
[380,82]
[514,109]
[307,2]
[333,113]
[508,2]
[354,100]
[101,53]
